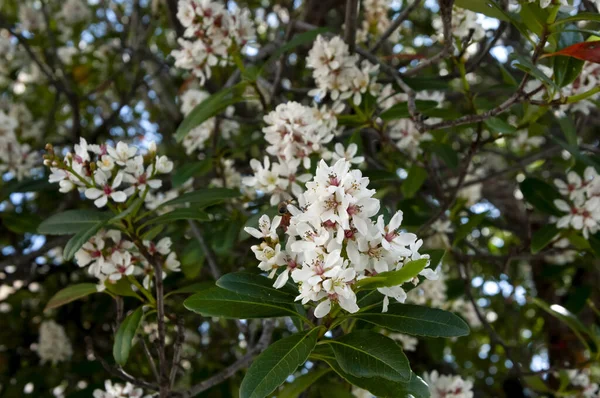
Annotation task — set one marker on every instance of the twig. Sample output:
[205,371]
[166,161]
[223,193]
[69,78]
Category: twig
[394,25]
[350,23]
[150,359]
[210,257]
[177,351]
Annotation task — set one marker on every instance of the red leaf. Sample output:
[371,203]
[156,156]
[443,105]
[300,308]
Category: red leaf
[586,51]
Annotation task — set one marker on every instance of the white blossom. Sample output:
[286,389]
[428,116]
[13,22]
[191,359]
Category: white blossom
[54,345]
[115,390]
[446,386]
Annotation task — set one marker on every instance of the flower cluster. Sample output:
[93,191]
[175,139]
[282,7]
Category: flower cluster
[197,137]
[332,241]
[336,71]
[109,258]
[294,132]
[75,11]
[446,386]
[54,345]
[16,158]
[588,79]
[376,21]
[104,172]
[581,201]
[218,35]
[580,380]
[119,391]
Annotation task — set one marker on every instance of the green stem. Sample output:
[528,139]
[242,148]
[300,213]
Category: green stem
[142,289]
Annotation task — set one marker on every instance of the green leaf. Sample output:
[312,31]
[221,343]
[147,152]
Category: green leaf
[444,152]
[257,286]
[122,287]
[400,110]
[416,177]
[568,128]
[301,384]
[186,213]
[153,232]
[71,293]
[193,288]
[497,125]
[415,388]
[72,222]
[394,278]
[526,65]
[534,17]
[365,353]
[582,16]
[485,7]
[537,384]
[270,369]
[567,318]
[435,257]
[192,260]
[20,223]
[416,320]
[540,195]
[125,334]
[203,197]
[542,237]
[210,107]
[595,244]
[189,170]
[297,41]
[224,303]
[566,69]
[465,229]
[79,239]
[574,150]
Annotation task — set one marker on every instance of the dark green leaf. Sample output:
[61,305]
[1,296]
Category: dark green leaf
[416,177]
[566,69]
[21,223]
[365,353]
[301,384]
[186,213]
[193,288]
[540,195]
[582,16]
[485,7]
[224,303]
[444,152]
[497,125]
[526,65]
[122,287]
[574,150]
[534,17]
[125,334]
[270,369]
[72,221]
[204,197]
[394,278]
[189,170]
[595,244]
[79,239]
[71,293]
[400,110]
[568,128]
[210,107]
[542,237]
[296,41]
[416,320]
[257,286]
[465,229]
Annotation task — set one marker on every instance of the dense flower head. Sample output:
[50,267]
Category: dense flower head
[54,345]
[116,390]
[447,386]
[103,172]
[110,257]
[215,31]
[581,201]
[337,73]
[464,24]
[333,241]
[582,384]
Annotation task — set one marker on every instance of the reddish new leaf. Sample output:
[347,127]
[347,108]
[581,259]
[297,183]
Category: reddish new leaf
[586,51]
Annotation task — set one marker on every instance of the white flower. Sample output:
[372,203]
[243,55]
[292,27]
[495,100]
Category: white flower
[445,386]
[122,153]
[163,164]
[54,345]
[349,154]
[107,190]
[119,391]
[120,264]
[171,263]
[408,343]
[266,228]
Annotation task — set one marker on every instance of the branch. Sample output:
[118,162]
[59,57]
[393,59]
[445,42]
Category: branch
[394,25]
[210,257]
[350,23]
